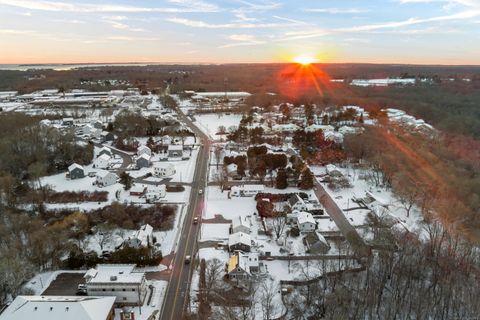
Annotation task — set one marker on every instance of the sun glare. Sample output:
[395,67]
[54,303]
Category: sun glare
[304,60]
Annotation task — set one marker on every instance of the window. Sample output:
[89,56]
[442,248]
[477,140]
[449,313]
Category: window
[124,289]
[133,289]
[124,298]
[103,290]
[113,289]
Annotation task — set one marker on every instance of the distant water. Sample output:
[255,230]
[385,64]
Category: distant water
[59,67]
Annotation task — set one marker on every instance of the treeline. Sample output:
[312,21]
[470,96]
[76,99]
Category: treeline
[433,279]
[423,171]
[29,150]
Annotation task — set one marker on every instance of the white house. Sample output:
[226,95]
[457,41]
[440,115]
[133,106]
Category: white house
[155,193]
[290,127]
[248,190]
[232,169]
[241,224]
[141,238]
[102,162]
[86,129]
[305,222]
[163,169]
[143,161]
[333,171]
[243,265]
[334,136]
[144,150]
[119,280]
[59,308]
[239,241]
[106,178]
[296,203]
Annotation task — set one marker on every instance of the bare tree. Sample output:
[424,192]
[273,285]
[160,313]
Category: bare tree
[103,235]
[278,223]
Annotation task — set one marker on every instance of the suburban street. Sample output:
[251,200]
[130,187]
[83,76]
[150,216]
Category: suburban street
[174,303]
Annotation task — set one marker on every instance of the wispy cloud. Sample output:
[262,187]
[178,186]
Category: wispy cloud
[464,15]
[258,7]
[15,32]
[242,40]
[231,25]
[122,26]
[337,10]
[182,6]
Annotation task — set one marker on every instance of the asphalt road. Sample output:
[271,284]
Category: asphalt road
[175,301]
[334,211]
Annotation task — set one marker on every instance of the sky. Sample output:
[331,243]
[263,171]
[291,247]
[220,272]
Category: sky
[235,31]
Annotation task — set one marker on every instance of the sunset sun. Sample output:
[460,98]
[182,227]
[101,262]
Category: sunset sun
[304,60]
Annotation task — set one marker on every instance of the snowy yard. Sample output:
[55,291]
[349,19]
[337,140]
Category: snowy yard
[209,123]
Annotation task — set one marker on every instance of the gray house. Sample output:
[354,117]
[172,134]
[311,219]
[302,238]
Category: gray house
[107,136]
[315,243]
[75,171]
[143,161]
[105,150]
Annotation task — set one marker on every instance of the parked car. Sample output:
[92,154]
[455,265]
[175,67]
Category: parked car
[187,259]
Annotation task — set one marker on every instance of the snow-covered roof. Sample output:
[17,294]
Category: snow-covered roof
[143,235]
[243,260]
[165,165]
[175,147]
[58,308]
[136,188]
[250,187]
[105,148]
[143,148]
[102,174]
[305,217]
[232,167]
[239,237]
[144,156]
[105,157]
[240,221]
[115,273]
[74,166]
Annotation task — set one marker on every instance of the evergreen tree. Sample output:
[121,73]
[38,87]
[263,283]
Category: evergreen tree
[306,180]
[281,180]
[126,180]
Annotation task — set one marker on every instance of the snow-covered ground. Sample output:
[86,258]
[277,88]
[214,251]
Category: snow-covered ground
[343,197]
[209,123]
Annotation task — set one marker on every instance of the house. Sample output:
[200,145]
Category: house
[75,171]
[249,190]
[290,127]
[155,193]
[175,151]
[102,162]
[232,170]
[333,171]
[118,280]
[60,308]
[87,129]
[144,150]
[97,124]
[107,136]
[96,133]
[143,161]
[297,203]
[141,238]
[138,190]
[163,169]
[334,136]
[240,224]
[315,243]
[305,222]
[68,122]
[106,178]
[104,150]
[239,241]
[242,266]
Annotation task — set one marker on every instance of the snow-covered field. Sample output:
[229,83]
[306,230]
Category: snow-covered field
[209,123]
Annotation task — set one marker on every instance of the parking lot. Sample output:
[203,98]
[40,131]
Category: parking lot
[65,285]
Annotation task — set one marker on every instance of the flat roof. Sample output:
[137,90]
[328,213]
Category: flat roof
[122,273]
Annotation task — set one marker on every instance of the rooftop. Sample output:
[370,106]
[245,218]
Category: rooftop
[58,308]
[113,273]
